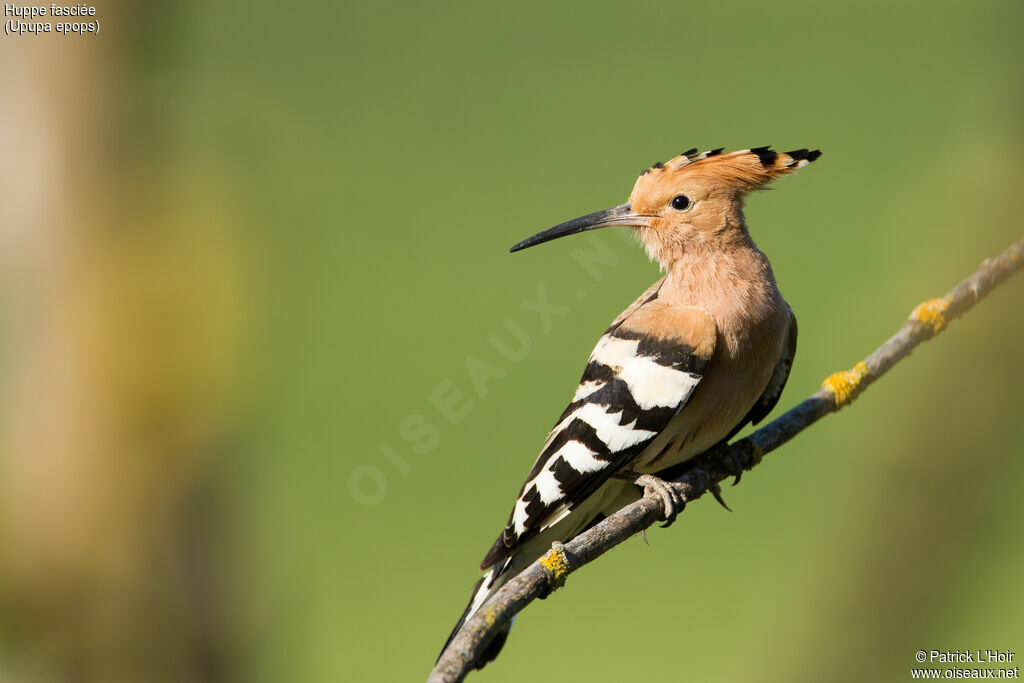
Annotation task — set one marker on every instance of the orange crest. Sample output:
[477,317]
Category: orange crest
[745,170]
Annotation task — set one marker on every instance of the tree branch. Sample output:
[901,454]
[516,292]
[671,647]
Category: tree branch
[838,390]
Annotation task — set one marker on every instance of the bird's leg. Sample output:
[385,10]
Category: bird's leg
[671,497]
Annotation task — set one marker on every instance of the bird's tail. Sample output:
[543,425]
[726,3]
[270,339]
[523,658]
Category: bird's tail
[504,566]
[484,588]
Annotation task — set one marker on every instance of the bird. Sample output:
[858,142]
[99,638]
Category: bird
[704,351]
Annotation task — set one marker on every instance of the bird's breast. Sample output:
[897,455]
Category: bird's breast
[734,380]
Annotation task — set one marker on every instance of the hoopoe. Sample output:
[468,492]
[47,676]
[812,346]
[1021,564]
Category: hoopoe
[704,351]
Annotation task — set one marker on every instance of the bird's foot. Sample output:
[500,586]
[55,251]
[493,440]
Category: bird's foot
[671,497]
[733,465]
[722,453]
[716,491]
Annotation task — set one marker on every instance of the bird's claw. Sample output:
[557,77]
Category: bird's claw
[716,491]
[671,498]
[733,466]
[730,461]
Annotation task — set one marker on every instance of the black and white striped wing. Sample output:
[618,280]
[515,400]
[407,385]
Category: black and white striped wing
[641,374]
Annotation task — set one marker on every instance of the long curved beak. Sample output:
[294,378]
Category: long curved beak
[617,215]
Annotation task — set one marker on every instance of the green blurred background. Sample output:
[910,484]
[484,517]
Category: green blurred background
[247,248]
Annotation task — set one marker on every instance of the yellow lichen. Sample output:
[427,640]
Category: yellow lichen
[932,314]
[557,563]
[843,385]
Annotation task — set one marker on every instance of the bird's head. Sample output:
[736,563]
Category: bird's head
[694,199]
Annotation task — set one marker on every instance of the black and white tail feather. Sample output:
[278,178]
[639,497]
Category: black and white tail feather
[487,586]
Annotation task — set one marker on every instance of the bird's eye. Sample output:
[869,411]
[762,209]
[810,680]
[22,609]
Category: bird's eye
[681,202]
